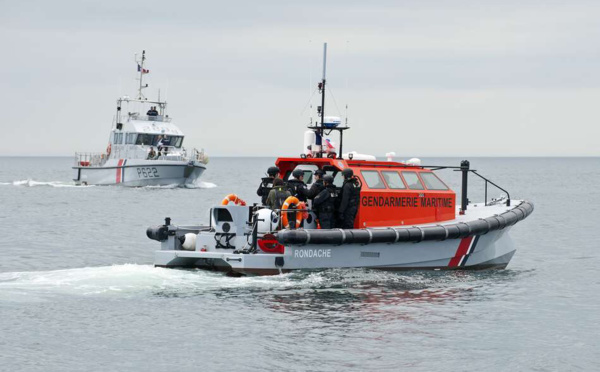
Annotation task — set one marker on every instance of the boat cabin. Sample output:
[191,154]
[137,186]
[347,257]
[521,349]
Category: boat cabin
[140,125]
[392,193]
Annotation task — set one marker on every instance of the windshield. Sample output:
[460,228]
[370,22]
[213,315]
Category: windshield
[153,139]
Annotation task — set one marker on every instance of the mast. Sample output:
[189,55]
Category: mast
[141,68]
[322,108]
[319,128]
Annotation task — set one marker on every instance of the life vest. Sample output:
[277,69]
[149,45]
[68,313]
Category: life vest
[108,150]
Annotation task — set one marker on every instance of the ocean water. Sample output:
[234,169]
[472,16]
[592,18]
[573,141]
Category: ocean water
[78,291]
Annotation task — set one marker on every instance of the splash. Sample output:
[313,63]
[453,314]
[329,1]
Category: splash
[201,185]
[32,183]
[127,280]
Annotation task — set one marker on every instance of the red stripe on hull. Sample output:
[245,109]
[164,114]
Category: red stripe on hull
[119,170]
[462,250]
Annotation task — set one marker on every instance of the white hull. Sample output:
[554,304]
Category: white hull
[477,240]
[137,172]
[493,250]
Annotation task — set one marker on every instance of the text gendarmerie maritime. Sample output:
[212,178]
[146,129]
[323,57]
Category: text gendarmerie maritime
[406,202]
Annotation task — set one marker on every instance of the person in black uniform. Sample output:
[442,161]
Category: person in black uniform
[297,186]
[324,203]
[349,199]
[317,186]
[266,184]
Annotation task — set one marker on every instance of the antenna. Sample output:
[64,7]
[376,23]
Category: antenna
[142,72]
[322,108]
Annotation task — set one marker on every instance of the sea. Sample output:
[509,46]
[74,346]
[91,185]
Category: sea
[78,291]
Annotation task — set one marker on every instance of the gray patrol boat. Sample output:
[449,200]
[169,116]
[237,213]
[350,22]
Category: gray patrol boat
[145,147]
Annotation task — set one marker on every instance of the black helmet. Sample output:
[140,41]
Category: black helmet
[319,172]
[297,173]
[328,178]
[347,173]
[272,171]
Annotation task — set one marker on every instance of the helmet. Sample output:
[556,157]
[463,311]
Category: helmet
[272,171]
[347,173]
[297,173]
[319,172]
[328,178]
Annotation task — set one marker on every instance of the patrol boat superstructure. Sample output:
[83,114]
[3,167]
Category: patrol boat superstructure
[407,219]
[138,130]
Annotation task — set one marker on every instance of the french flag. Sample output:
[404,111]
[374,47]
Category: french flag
[328,144]
[143,70]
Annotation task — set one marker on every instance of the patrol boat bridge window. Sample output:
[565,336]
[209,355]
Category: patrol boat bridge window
[412,180]
[373,179]
[393,180]
[152,140]
[432,182]
[118,138]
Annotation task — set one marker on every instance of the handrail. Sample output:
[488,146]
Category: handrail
[486,182]
[465,169]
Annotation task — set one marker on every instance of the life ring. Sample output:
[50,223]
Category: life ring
[233,198]
[300,215]
[108,150]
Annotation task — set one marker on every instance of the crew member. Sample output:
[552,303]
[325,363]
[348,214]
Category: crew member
[152,111]
[324,203]
[317,186]
[266,184]
[159,144]
[277,195]
[349,199]
[166,142]
[151,153]
[297,186]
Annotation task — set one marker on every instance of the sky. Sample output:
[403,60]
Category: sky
[420,78]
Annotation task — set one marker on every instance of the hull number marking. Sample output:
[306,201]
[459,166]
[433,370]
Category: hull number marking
[312,253]
[147,172]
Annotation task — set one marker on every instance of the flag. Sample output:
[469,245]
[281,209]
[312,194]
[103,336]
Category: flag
[143,70]
[328,144]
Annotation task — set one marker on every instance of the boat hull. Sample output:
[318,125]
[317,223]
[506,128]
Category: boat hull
[139,173]
[490,251]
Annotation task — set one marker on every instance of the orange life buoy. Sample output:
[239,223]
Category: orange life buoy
[233,198]
[299,215]
[108,149]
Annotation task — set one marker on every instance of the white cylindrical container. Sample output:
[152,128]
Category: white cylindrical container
[310,138]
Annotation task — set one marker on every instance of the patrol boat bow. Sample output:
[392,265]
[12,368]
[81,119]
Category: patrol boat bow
[407,219]
[143,150]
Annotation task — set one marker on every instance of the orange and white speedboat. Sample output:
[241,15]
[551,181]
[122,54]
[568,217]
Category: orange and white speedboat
[407,219]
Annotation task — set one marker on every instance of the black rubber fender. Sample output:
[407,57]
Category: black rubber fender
[405,234]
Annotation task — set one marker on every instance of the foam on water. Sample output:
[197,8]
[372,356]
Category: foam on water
[32,183]
[133,279]
[201,185]
[60,184]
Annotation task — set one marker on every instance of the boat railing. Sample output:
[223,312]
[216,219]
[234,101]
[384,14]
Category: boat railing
[159,118]
[90,159]
[465,169]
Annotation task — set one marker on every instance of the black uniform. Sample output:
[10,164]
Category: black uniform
[349,203]
[315,189]
[298,189]
[266,185]
[324,205]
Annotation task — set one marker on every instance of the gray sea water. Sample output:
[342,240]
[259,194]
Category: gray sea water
[78,291]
